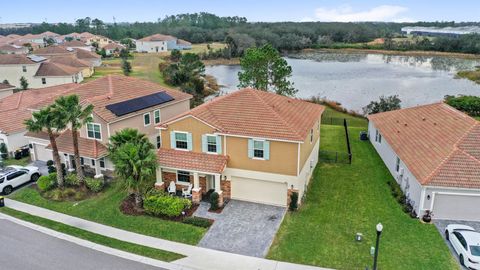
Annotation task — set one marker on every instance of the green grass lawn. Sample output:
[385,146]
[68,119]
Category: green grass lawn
[96,238]
[345,199]
[105,209]
[21,162]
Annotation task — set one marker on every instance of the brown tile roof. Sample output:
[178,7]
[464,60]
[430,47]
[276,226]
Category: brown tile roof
[12,48]
[158,37]
[55,69]
[4,86]
[52,50]
[83,54]
[113,46]
[39,135]
[255,113]
[70,60]
[88,148]
[14,108]
[187,160]
[15,59]
[74,43]
[439,144]
[183,42]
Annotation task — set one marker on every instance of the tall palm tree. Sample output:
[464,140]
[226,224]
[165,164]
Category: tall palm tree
[135,161]
[76,115]
[49,120]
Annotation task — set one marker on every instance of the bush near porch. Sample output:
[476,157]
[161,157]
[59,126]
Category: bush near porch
[345,199]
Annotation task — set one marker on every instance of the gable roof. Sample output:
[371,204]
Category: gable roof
[158,37]
[87,147]
[69,60]
[83,54]
[15,59]
[75,43]
[255,113]
[439,144]
[113,46]
[188,160]
[56,69]
[52,50]
[5,86]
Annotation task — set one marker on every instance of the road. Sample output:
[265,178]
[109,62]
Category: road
[24,248]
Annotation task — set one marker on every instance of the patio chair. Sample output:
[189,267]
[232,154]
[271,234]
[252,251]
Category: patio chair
[187,192]
[172,188]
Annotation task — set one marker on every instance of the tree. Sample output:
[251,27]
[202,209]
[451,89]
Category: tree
[24,83]
[5,81]
[77,116]
[49,120]
[135,161]
[126,67]
[467,104]
[264,69]
[175,55]
[384,104]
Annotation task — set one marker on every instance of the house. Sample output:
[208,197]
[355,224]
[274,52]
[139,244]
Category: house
[249,145]
[183,45]
[433,152]
[72,61]
[113,48]
[38,72]
[161,43]
[77,44]
[13,49]
[6,90]
[14,110]
[90,39]
[53,51]
[93,58]
[119,102]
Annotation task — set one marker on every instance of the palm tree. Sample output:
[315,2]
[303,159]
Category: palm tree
[135,161]
[49,120]
[74,114]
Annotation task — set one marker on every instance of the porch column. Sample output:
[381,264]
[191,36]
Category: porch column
[98,170]
[68,163]
[218,189]
[197,190]
[159,184]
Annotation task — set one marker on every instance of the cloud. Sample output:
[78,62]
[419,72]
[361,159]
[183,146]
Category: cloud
[345,13]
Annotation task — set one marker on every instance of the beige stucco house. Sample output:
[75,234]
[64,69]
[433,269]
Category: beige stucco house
[249,145]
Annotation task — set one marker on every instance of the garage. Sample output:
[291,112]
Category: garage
[41,153]
[259,191]
[456,206]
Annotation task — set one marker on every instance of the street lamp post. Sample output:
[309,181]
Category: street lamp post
[379,232]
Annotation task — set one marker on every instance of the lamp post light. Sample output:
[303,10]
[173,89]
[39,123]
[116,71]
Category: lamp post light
[379,232]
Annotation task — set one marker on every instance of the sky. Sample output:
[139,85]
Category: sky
[254,10]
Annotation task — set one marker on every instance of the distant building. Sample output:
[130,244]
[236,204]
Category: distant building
[441,31]
[113,48]
[13,49]
[161,43]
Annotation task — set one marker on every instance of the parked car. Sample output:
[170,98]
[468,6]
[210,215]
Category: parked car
[466,242]
[14,176]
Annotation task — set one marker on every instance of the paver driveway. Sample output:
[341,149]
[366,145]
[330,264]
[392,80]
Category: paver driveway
[242,227]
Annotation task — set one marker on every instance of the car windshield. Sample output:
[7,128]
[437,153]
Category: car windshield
[475,250]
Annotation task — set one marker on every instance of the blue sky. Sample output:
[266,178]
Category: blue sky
[254,10]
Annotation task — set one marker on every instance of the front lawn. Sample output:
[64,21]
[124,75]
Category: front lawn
[345,199]
[21,162]
[104,209]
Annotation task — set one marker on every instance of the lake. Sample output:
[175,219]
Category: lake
[355,79]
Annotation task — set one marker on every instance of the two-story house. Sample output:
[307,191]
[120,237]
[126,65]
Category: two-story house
[119,102]
[161,43]
[248,145]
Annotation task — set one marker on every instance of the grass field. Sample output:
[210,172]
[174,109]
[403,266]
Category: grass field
[105,209]
[21,162]
[93,237]
[343,200]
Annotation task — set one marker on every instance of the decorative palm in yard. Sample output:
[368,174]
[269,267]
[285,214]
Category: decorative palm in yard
[48,119]
[135,161]
[71,111]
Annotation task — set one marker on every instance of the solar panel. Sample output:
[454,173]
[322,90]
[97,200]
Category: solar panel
[136,104]
[36,58]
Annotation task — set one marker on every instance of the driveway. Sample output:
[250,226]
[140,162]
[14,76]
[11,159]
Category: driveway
[242,227]
[42,166]
[442,224]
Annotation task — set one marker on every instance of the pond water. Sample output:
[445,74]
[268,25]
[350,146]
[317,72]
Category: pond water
[355,79]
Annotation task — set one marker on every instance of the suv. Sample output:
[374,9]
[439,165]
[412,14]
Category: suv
[14,176]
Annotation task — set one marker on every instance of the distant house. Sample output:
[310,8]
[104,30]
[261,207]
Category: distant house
[113,48]
[54,51]
[77,44]
[6,90]
[72,61]
[13,49]
[90,38]
[161,43]
[433,152]
[93,58]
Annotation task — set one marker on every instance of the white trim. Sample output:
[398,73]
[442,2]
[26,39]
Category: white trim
[181,149]
[434,194]
[225,144]
[263,149]
[159,117]
[298,161]
[183,117]
[254,137]
[211,135]
[101,135]
[181,182]
[149,119]
[200,172]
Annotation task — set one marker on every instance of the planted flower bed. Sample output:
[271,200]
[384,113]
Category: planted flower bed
[72,190]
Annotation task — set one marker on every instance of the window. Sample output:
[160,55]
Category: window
[397,165]
[258,149]
[15,175]
[181,140]
[44,81]
[146,119]
[93,162]
[183,176]
[311,135]
[156,116]
[159,142]
[24,68]
[378,136]
[102,163]
[93,131]
[82,161]
[211,144]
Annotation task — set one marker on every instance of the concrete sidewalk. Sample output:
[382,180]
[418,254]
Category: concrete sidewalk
[197,257]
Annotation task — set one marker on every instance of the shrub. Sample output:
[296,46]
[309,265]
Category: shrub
[72,180]
[293,201]
[214,201]
[45,183]
[50,163]
[197,221]
[95,185]
[165,205]
[468,104]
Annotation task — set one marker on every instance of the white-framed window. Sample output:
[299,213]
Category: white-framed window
[24,68]
[94,131]
[258,149]
[379,137]
[211,144]
[183,177]
[156,116]
[82,161]
[397,164]
[93,162]
[181,140]
[44,81]
[159,142]
[102,163]
[311,135]
[146,119]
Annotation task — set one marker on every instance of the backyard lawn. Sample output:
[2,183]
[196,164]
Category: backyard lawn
[105,209]
[343,200]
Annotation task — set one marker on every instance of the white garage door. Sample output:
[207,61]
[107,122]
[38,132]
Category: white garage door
[259,191]
[41,153]
[461,207]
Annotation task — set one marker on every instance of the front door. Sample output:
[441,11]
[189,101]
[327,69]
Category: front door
[156,49]
[210,182]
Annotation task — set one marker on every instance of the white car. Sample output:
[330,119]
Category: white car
[466,242]
[14,176]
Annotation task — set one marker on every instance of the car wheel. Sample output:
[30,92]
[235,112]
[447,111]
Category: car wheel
[35,177]
[462,261]
[446,235]
[7,190]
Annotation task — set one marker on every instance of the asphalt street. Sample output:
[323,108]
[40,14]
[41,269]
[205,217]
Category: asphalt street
[22,248]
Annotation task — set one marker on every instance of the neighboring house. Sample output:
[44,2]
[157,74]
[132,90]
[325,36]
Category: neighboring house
[73,61]
[161,43]
[13,49]
[248,145]
[53,51]
[183,45]
[52,73]
[89,39]
[433,152]
[6,90]
[119,102]
[14,110]
[77,44]
[113,48]
[93,58]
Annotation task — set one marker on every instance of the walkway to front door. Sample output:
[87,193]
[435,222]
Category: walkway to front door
[242,227]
